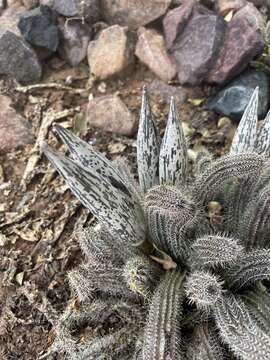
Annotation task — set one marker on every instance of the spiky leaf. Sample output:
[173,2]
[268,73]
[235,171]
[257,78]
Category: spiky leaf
[250,268]
[215,250]
[147,147]
[239,330]
[162,331]
[262,144]
[110,201]
[222,171]
[245,135]
[171,214]
[258,303]
[203,289]
[205,344]
[173,152]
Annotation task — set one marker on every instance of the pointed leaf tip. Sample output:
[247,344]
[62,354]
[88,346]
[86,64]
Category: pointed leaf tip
[262,145]
[102,194]
[245,135]
[173,152]
[147,146]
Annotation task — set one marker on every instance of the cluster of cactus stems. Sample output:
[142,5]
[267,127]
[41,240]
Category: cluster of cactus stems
[162,281]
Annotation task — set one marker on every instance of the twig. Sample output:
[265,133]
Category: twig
[56,86]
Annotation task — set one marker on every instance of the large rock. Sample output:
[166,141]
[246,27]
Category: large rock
[112,54]
[175,21]
[253,16]
[86,9]
[133,13]
[39,28]
[242,43]
[233,99]
[197,48]
[74,42]
[109,113]
[18,59]
[14,129]
[225,6]
[151,50]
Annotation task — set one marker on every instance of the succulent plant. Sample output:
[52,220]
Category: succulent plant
[163,280]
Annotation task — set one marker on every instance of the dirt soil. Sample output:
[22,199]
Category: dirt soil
[39,217]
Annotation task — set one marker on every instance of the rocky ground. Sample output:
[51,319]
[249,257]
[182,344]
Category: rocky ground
[83,64]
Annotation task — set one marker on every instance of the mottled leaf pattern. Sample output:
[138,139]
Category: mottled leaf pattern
[173,152]
[262,144]
[147,147]
[245,135]
[107,199]
[88,158]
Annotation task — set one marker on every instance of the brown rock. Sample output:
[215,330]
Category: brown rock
[133,13]
[151,50]
[10,18]
[112,54]
[225,6]
[163,92]
[14,129]
[109,113]
[197,48]
[242,43]
[175,21]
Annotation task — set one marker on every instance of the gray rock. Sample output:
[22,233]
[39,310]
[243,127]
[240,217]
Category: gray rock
[163,92]
[39,28]
[14,129]
[242,43]
[133,13]
[66,7]
[109,113]
[18,59]
[74,42]
[151,51]
[233,99]
[197,48]
[87,9]
[223,7]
